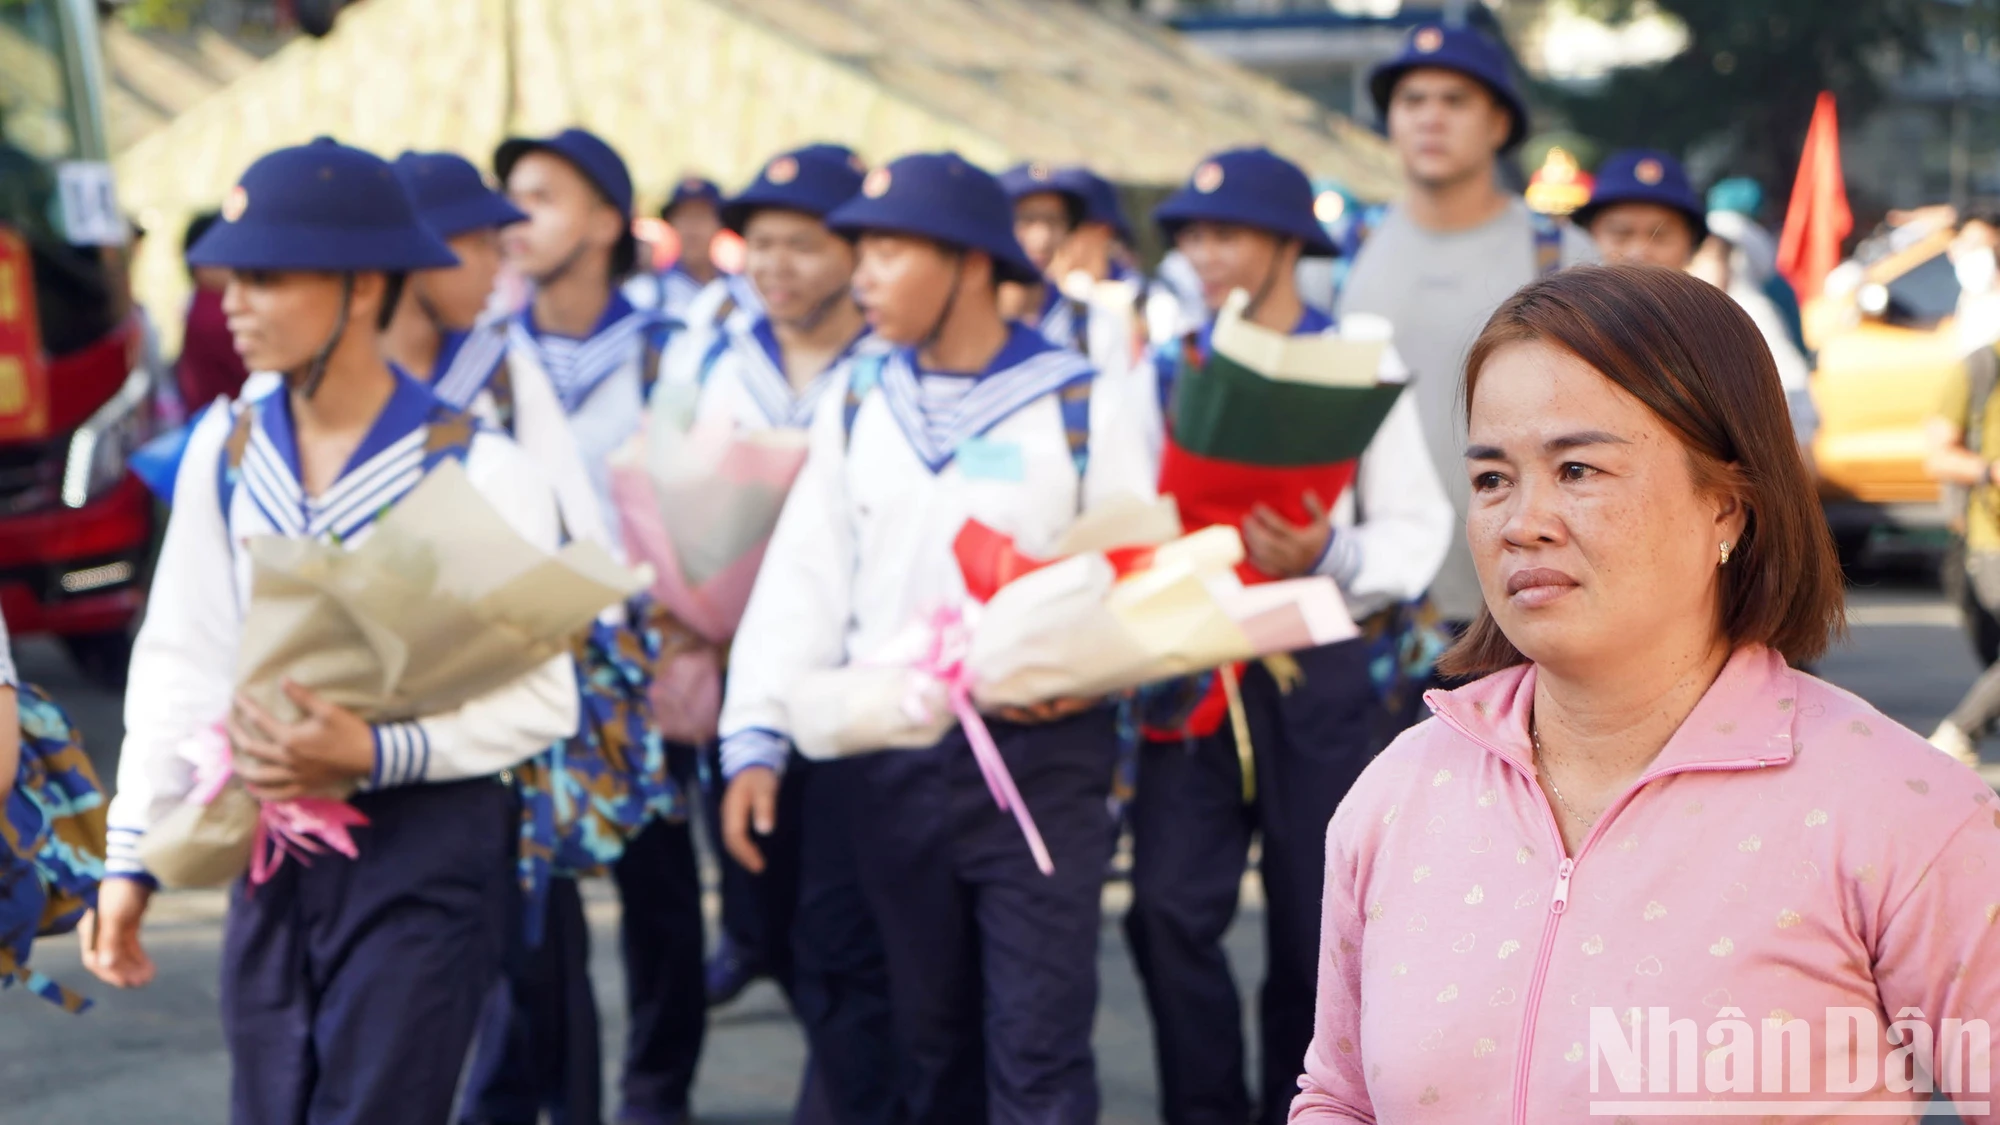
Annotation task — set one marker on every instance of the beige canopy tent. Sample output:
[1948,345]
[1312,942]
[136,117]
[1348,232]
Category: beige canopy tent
[718,85]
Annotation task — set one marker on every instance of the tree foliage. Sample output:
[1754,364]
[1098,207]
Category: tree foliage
[1748,77]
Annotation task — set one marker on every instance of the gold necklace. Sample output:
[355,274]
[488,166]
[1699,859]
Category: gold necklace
[1535,736]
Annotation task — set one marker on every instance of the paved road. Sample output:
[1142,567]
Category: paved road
[156,1056]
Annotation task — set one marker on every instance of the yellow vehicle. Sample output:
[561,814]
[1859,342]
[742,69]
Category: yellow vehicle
[1884,353]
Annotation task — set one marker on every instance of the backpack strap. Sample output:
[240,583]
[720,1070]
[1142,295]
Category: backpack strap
[1548,243]
[229,467]
[448,434]
[657,336]
[1169,361]
[710,358]
[1074,399]
[865,376]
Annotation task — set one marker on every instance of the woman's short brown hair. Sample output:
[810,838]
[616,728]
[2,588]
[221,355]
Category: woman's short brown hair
[1692,356]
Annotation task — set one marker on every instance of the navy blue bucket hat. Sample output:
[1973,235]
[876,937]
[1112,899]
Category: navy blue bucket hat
[451,196]
[812,180]
[583,150]
[1037,178]
[1100,199]
[324,207]
[693,189]
[1433,46]
[1645,176]
[1250,187]
[943,197]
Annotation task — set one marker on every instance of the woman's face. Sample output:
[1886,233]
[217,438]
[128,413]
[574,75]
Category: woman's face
[1589,535]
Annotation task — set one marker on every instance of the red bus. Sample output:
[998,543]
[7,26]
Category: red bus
[76,386]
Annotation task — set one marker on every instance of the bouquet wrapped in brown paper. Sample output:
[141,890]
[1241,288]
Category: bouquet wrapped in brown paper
[444,602]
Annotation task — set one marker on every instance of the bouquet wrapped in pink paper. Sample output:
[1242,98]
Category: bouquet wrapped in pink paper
[1091,624]
[442,603]
[698,502]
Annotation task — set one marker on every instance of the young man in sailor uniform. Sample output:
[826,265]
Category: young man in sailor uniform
[576,369]
[992,965]
[325,965]
[1243,220]
[777,372]
[695,291]
[1046,211]
[437,326]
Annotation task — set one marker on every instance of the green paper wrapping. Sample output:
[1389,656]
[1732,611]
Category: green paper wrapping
[1226,411]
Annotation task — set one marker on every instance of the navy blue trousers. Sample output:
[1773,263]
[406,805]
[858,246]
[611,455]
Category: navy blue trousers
[837,973]
[351,988]
[538,1040]
[992,965]
[1191,838]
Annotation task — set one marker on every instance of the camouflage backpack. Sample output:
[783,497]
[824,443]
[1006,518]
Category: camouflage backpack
[51,843]
[585,797]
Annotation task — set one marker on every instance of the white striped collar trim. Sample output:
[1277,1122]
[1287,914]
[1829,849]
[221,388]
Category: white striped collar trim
[350,505]
[994,399]
[473,367]
[597,358]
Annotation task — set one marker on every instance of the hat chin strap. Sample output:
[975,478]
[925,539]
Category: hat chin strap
[568,263]
[1270,279]
[314,372]
[821,309]
[950,299]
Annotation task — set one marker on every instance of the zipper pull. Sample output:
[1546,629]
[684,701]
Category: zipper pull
[1560,902]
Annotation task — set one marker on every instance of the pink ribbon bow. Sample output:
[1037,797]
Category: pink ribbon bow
[301,828]
[951,639]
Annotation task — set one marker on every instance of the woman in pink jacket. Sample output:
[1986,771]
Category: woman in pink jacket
[1644,865]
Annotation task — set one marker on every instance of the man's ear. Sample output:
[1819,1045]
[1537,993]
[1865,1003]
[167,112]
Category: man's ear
[607,226]
[370,288]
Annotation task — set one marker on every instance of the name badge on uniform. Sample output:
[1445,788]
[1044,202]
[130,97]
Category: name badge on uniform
[981,459]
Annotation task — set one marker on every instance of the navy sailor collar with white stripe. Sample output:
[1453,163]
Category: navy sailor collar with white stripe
[765,381]
[1026,368]
[466,362]
[610,345]
[1059,319]
[385,466]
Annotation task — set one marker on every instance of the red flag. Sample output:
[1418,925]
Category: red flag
[1818,219]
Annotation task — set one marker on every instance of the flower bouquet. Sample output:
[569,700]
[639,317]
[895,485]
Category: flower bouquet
[1083,625]
[698,501]
[1267,418]
[442,603]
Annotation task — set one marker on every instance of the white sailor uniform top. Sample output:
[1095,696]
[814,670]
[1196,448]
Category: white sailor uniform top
[184,661]
[727,304]
[1392,527]
[893,472]
[570,403]
[742,378]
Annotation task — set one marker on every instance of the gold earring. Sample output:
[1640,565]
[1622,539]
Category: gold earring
[1725,553]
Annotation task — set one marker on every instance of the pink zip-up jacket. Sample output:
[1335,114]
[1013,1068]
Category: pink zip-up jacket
[1790,851]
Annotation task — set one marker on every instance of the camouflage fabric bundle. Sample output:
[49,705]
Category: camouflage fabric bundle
[585,797]
[51,843]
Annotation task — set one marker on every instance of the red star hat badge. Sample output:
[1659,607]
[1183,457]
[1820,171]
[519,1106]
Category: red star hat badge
[1649,172]
[235,203]
[877,184]
[1428,40]
[783,170]
[1208,177]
